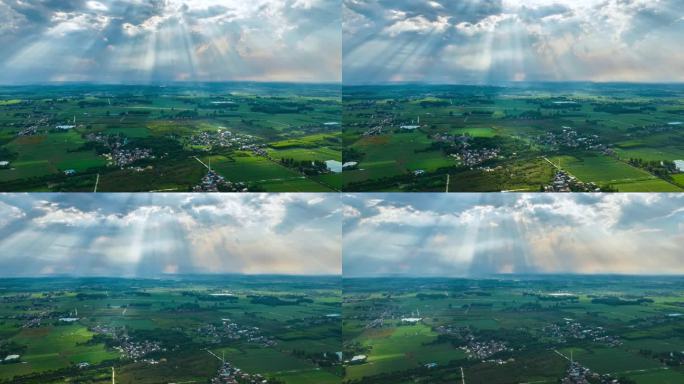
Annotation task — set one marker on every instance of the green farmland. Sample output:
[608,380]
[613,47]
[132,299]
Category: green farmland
[505,330]
[608,137]
[148,138]
[152,331]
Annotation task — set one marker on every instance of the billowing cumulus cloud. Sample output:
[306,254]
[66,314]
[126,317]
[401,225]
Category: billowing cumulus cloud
[113,41]
[491,41]
[485,234]
[149,235]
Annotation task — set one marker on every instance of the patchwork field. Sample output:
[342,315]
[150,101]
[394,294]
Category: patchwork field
[152,331]
[613,137]
[72,137]
[437,330]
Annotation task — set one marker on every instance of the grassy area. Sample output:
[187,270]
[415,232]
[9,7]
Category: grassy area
[173,124]
[401,348]
[175,314]
[613,360]
[49,154]
[52,348]
[476,314]
[568,121]
[660,376]
[395,154]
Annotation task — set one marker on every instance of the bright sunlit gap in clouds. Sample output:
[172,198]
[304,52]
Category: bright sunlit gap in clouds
[485,234]
[492,41]
[142,41]
[148,235]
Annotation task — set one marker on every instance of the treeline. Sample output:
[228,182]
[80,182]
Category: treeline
[617,109]
[308,167]
[660,168]
[90,296]
[207,297]
[620,301]
[276,301]
[11,348]
[431,296]
[281,108]
[321,359]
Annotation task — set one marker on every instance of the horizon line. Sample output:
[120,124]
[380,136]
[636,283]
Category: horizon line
[171,82]
[165,276]
[511,82]
[514,275]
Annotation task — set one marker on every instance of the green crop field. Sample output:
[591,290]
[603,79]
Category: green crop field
[611,137]
[505,330]
[131,137]
[152,331]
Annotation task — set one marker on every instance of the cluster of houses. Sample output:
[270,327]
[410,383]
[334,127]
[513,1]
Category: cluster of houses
[570,329]
[221,138]
[30,130]
[229,374]
[474,157]
[257,149]
[482,350]
[129,348]
[213,182]
[34,322]
[102,330]
[579,374]
[378,128]
[570,138]
[469,157]
[565,182]
[374,131]
[136,350]
[229,330]
[32,125]
[476,349]
[122,157]
[119,155]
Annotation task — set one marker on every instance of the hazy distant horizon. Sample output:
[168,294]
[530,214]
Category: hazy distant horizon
[520,276]
[166,83]
[516,83]
[185,276]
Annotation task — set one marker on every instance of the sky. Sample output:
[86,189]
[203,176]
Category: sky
[151,41]
[497,41]
[148,235]
[473,235]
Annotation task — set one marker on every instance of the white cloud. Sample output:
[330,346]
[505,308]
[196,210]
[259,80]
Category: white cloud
[9,213]
[53,214]
[528,233]
[199,40]
[350,212]
[96,6]
[418,24]
[135,235]
[305,4]
[538,40]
